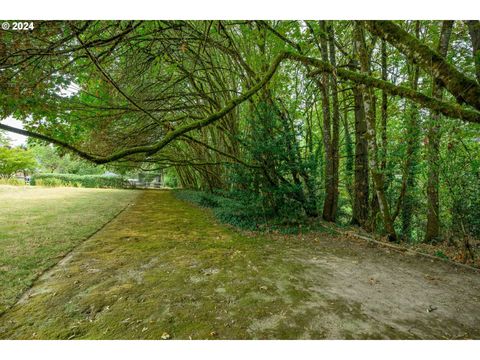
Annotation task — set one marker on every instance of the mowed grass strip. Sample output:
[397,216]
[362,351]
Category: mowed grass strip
[38,226]
[165,269]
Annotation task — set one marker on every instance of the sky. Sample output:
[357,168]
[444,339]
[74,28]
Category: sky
[16,139]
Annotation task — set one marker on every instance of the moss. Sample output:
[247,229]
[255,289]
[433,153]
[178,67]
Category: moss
[164,266]
[463,88]
[445,108]
[42,225]
[135,280]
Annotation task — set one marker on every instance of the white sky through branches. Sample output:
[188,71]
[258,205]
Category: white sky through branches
[16,139]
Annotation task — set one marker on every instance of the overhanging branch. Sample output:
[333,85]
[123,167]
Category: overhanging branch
[447,109]
[464,89]
[450,110]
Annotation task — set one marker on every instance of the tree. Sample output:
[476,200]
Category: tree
[432,232]
[15,159]
[371,135]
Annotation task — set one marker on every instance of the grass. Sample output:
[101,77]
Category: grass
[40,225]
[167,269]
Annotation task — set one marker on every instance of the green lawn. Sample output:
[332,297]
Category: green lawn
[38,226]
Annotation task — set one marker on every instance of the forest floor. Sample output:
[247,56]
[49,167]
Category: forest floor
[164,268]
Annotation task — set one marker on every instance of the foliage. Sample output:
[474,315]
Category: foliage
[225,209]
[51,160]
[440,254]
[170,178]
[4,140]
[246,213]
[86,181]
[15,159]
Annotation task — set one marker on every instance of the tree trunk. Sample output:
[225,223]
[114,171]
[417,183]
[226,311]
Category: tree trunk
[371,135]
[331,192]
[474,30]
[349,155]
[406,198]
[432,231]
[361,181]
[383,164]
[335,121]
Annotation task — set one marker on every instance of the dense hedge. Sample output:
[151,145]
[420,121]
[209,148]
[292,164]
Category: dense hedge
[87,181]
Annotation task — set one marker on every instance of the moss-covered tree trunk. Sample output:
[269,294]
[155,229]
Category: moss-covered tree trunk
[371,135]
[464,89]
[349,161]
[474,30]
[329,136]
[432,231]
[361,181]
[406,198]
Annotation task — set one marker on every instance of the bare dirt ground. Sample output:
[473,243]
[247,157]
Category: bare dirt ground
[166,269]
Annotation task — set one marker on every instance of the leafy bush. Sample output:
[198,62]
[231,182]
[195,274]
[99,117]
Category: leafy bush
[170,178]
[50,182]
[225,209]
[246,212]
[87,181]
[283,189]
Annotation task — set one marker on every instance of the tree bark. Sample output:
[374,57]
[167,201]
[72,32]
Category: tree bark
[384,109]
[432,231]
[335,121]
[377,175]
[474,30]
[350,157]
[406,198]
[464,89]
[361,178]
[329,136]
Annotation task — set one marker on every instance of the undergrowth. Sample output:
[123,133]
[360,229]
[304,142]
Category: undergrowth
[74,180]
[249,214]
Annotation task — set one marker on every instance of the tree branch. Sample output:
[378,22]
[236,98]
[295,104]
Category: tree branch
[447,109]
[464,89]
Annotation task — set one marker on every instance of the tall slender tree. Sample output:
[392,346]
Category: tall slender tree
[371,134]
[432,231]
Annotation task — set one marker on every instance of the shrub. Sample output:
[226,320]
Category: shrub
[246,212]
[50,182]
[87,181]
[170,179]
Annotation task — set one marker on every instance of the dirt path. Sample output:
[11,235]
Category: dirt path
[165,268]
